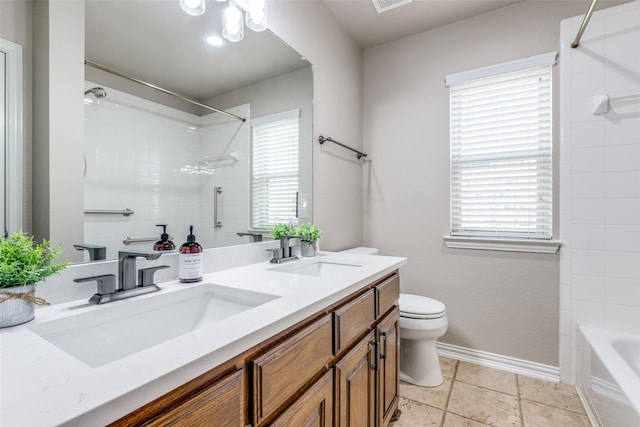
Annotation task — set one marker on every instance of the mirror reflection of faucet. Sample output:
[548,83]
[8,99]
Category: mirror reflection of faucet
[127,286]
[96,252]
[255,237]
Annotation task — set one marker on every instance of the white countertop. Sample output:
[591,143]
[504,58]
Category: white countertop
[41,385]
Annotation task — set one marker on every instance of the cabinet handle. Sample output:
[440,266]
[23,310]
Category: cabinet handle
[383,354]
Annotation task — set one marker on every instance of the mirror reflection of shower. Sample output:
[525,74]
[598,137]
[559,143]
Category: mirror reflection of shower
[97,92]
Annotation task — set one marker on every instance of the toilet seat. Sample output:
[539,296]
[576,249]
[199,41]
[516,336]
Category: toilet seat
[419,307]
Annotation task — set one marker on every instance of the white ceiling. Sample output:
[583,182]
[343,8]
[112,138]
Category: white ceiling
[368,28]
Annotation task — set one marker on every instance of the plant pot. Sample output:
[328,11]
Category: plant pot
[14,311]
[308,249]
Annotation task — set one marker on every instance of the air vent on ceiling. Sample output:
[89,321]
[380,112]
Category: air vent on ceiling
[385,5]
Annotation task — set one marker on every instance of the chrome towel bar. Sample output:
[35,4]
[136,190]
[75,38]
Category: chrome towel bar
[128,240]
[359,154]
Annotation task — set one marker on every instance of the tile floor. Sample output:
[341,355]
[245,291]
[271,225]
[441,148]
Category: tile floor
[476,396]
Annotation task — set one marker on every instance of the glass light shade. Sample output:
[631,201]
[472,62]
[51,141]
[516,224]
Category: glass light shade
[232,25]
[214,40]
[256,15]
[193,7]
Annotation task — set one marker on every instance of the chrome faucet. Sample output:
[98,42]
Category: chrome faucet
[131,282]
[283,253]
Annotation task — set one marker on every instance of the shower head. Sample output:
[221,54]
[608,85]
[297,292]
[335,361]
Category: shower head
[98,92]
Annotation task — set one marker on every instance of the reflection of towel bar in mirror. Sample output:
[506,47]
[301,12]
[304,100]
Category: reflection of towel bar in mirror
[217,207]
[128,240]
[124,212]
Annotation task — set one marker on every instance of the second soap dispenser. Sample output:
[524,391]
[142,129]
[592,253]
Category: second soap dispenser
[164,244]
[190,261]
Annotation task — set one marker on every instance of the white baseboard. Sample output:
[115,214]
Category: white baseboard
[497,361]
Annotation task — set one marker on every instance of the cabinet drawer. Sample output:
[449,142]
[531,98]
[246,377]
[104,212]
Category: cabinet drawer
[387,294]
[221,403]
[280,372]
[353,319]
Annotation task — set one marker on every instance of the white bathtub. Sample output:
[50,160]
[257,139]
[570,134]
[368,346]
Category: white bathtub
[609,376]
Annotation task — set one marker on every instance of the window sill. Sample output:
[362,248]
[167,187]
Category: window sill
[508,245]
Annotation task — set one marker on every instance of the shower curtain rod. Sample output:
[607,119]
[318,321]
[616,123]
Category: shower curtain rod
[583,26]
[158,88]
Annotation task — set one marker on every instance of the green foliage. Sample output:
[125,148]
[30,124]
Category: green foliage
[23,262]
[279,230]
[308,232]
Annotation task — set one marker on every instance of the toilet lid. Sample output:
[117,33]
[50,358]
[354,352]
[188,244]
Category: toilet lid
[419,307]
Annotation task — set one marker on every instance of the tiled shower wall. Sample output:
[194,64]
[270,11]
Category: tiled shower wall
[145,156]
[600,178]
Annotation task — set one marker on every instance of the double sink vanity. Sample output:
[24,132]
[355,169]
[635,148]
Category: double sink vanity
[263,344]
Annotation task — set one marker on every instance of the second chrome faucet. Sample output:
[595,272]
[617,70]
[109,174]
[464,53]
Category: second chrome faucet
[131,281]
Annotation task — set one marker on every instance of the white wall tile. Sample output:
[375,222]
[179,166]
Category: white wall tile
[587,211]
[622,265]
[622,184]
[587,263]
[622,211]
[588,160]
[622,131]
[623,291]
[622,318]
[622,158]
[588,185]
[623,238]
[587,313]
[588,288]
[587,236]
[588,134]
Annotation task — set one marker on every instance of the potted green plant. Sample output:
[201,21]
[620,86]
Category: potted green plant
[308,235]
[282,229]
[24,263]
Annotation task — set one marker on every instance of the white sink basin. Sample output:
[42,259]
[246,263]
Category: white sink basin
[111,332]
[319,267]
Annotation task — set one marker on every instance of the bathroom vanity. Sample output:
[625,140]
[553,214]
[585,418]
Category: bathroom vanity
[317,342]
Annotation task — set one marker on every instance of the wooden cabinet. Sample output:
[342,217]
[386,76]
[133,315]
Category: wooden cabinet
[356,385]
[338,367]
[388,335]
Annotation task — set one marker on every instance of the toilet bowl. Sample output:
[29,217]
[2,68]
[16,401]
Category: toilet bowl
[422,321]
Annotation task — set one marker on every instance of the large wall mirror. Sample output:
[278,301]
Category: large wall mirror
[152,158]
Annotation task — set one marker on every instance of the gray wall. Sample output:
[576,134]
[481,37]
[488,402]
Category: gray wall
[499,302]
[311,29]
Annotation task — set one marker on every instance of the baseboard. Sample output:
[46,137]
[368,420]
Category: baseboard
[497,361]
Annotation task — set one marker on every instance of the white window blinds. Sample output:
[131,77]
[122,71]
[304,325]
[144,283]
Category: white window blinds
[501,171]
[274,169]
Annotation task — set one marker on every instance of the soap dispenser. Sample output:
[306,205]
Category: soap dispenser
[190,260]
[164,244]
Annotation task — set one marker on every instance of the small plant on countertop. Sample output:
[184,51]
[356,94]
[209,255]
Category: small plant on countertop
[23,262]
[308,233]
[282,229]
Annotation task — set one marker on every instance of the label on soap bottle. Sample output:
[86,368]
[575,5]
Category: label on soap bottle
[190,267]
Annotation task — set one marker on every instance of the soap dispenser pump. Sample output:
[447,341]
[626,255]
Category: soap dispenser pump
[190,260]
[164,244]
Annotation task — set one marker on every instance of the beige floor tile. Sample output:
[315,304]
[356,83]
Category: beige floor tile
[453,420]
[415,414]
[483,405]
[490,378]
[539,415]
[434,396]
[557,395]
[448,366]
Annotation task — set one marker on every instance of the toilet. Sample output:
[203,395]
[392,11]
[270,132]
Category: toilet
[422,321]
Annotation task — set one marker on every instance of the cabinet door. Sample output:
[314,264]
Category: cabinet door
[313,409]
[220,404]
[388,333]
[355,385]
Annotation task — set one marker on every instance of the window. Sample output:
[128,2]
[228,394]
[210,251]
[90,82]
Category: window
[501,136]
[274,169]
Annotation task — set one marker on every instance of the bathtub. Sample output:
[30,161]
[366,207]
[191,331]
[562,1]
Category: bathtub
[609,376]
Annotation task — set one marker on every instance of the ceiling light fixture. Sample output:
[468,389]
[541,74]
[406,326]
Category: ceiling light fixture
[232,23]
[256,15]
[214,40]
[193,7]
